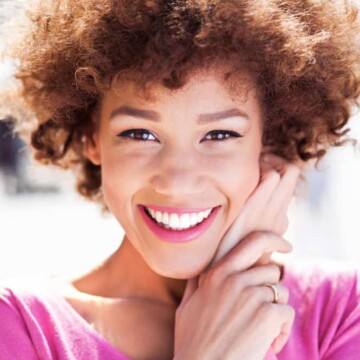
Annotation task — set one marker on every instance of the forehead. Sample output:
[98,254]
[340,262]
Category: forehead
[207,95]
[206,85]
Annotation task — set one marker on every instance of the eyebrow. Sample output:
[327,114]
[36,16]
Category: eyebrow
[155,116]
[130,111]
[222,115]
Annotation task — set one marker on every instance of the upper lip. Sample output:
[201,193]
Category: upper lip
[176,210]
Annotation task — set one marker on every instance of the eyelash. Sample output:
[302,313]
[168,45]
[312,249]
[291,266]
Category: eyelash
[129,134]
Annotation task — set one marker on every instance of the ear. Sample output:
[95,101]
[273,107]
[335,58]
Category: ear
[266,150]
[92,148]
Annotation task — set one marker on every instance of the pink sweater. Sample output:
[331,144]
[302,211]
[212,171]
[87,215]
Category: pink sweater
[37,323]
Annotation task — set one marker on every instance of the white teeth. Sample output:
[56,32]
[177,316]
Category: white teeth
[165,218]
[174,221]
[200,216]
[184,221]
[158,216]
[179,222]
[193,219]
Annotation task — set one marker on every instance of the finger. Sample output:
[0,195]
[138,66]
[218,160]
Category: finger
[258,275]
[264,294]
[250,250]
[282,339]
[282,195]
[286,188]
[256,201]
[277,316]
[285,168]
[268,195]
[262,194]
[264,259]
[280,199]
[270,355]
[259,299]
[282,292]
[279,203]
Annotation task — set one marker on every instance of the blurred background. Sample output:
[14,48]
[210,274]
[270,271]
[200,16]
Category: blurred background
[47,229]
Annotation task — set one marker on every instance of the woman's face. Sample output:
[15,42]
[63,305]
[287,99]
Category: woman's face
[193,148]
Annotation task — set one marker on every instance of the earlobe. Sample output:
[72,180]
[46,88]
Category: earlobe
[92,149]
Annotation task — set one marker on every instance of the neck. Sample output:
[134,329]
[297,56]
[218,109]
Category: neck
[125,274]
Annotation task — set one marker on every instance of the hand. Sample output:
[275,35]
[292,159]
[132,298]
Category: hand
[264,210]
[229,314]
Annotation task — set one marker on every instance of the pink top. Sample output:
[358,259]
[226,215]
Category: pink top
[36,322]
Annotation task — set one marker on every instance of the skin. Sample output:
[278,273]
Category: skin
[241,304]
[179,165]
[179,170]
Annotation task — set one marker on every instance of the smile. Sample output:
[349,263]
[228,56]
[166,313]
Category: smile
[179,226]
[175,221]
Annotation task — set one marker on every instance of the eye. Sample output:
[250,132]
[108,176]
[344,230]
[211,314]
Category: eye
[221,135]
[137,135]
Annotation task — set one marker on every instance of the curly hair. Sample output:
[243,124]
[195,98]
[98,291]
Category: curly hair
[303,54]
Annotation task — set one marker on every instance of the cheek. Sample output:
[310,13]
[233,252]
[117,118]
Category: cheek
[239,169]
[124,174]
[118,182]
[239,179]
[242,181]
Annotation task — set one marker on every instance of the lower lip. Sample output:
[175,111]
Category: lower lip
[178,236]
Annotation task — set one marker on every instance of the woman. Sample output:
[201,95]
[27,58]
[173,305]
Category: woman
[185,119]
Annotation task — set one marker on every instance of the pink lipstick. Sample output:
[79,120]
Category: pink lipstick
[178,236]
[177,210]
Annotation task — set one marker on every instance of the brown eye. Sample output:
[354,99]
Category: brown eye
[138,135]
[221,135]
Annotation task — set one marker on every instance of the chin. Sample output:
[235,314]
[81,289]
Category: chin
[180,270]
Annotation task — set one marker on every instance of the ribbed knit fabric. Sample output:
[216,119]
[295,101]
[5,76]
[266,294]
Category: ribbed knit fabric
[36,322]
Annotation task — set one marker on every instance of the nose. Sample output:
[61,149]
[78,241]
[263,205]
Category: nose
[179,172]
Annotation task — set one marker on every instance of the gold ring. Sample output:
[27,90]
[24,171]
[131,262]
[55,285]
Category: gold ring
[275,291]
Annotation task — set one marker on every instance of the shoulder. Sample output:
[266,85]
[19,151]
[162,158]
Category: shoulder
[39,302]
[33,300]
[17,294]
[321,277]
[325,296]
[25,294]
[21,314]
[37,322]
[322,291]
